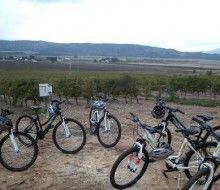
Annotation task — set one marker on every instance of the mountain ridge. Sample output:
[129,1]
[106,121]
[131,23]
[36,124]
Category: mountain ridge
[99,49]
[214,51]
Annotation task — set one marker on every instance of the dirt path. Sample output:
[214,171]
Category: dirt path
[89,169]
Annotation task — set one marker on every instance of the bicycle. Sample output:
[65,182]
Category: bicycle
[159,112]
[68,135]
[15,155]
[106,126]
[205,175]
[137,158]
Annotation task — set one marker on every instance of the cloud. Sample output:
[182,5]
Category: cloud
[178,24]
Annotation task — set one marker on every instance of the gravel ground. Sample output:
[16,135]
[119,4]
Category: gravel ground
[90,168]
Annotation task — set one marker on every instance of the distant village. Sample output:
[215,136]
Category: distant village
[34,59]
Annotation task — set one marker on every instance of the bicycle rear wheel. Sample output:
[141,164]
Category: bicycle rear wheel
[26,124]
[128,168]
[109,131]
[22,158]
[198,181]
[70,138]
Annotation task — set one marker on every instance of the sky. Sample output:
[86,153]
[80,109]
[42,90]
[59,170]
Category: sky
[184,25]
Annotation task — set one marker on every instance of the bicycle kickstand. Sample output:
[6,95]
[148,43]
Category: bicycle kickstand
[166,171]
[178,180]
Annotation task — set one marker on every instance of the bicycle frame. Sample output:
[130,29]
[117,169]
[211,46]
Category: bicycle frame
[105,113]
[173,119]
[49,122]
[179,156]
[148,138]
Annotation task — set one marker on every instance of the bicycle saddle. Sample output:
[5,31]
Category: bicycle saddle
[187,131]
[35,108]
[205,118]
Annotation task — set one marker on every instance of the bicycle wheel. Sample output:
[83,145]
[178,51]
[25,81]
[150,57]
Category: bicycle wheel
[69,138]
[198,181]
[26,124]
[21,159]
[128,168]
[192,159]
[109,132]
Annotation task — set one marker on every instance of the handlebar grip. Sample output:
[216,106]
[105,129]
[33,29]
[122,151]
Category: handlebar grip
[57,102]
[134,118]
[178,130]
[197,120]
[6,112]
[61,102]
[180,111]
[132,114]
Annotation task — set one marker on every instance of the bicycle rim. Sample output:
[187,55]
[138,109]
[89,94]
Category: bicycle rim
[109,131]
[21,159]
[69,143]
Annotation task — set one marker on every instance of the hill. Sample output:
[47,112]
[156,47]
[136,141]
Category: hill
[90,49]
[215,51]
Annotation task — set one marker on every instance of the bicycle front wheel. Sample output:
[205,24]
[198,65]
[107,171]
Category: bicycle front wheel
[128,168]
[192,160]
[15,155]
[198,181]
[69,137]
[109,131]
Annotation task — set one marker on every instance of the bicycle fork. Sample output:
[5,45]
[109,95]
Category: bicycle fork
[210,176]
[13,142]
[133,164]
[66,128]
[107,122]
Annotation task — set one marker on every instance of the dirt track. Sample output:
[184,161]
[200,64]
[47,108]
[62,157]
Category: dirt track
[89,169]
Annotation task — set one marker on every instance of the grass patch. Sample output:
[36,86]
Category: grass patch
[197,102]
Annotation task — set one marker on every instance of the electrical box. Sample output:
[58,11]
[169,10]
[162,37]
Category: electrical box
[45,90]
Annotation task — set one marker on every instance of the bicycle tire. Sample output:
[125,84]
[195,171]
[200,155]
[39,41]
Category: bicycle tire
[116,164]
[33,145]
[201,173]
[190,153]
[101,140]
[34,132]
[71,150]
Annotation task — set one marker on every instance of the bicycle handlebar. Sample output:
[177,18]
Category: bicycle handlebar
[174,110]
[5,112]
[57,102]
[134,118]
[204,125]
[144,126]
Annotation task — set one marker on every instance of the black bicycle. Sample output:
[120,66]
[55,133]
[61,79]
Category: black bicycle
[103,124]
[69,135]
[14,154]
[206,174]
[159,112]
